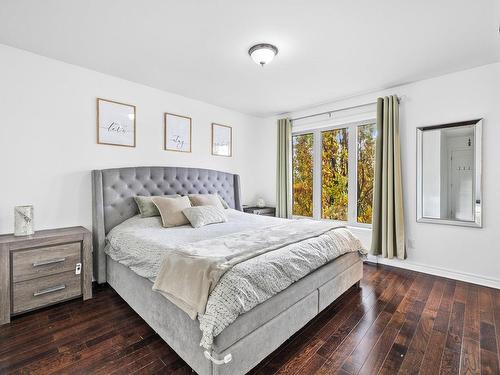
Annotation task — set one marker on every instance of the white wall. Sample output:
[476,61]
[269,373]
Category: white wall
[48,137]
[465,253]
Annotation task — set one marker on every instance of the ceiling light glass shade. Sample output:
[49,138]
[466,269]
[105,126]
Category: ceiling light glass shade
[263,53]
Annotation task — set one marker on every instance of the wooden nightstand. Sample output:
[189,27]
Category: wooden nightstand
[264,211]
[46,268]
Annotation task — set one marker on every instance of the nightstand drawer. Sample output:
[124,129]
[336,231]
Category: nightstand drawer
[264,211]
[43,291]
[45,261]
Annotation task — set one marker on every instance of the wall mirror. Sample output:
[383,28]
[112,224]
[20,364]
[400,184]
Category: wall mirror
[449,174]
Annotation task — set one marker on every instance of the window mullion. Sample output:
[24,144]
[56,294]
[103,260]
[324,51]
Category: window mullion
[352,180]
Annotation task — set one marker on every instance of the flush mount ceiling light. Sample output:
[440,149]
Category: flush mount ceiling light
[263,53]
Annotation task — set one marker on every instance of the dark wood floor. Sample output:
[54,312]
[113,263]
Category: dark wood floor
[398,322]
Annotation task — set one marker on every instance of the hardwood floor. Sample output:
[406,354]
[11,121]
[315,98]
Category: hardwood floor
[397,322]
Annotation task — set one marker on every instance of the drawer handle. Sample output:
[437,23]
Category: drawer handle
[46,262]
[49,290]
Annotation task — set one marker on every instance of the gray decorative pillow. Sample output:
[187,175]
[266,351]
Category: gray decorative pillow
[200,216]
[146,206]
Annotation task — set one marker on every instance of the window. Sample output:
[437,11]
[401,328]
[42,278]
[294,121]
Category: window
[302,174]
[340,160]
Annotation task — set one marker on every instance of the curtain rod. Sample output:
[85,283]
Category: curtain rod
[336,110]
[333,111]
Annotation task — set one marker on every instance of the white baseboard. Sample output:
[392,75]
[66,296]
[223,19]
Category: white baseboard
[437,271]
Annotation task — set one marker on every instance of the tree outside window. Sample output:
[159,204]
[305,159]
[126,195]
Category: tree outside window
[302,174]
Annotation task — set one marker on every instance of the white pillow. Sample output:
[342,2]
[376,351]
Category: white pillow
[200,216]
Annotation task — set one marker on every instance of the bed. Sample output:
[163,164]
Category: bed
[253,335]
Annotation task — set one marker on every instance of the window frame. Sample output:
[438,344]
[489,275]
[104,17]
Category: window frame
[352,165]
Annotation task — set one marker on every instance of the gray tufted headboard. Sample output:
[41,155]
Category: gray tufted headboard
[113,192]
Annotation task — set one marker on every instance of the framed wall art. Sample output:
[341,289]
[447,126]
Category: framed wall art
[177,133]
[115,123]
[222,140]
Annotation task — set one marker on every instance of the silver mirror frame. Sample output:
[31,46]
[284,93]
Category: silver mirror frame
[478,213]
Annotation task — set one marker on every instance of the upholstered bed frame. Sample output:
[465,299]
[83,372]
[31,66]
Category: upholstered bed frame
[113,192]
[254,335]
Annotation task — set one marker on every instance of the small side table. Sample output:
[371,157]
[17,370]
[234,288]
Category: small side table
[48,267]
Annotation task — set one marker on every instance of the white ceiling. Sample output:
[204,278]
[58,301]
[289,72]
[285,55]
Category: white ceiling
[328,49]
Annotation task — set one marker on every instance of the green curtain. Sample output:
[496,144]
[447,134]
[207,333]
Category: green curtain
[283,177]
[388,233]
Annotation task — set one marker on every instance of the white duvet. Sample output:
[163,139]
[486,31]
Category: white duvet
[142,244]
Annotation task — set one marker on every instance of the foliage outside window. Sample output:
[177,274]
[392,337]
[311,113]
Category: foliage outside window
[302,174]
[345,157]
[366,171]
[334,174]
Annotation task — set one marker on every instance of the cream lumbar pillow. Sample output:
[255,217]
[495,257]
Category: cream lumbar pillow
[206,200]
[203,215]
[171,210]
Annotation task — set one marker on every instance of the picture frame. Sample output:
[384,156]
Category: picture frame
[177,133]
[222,140]
[116,123]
